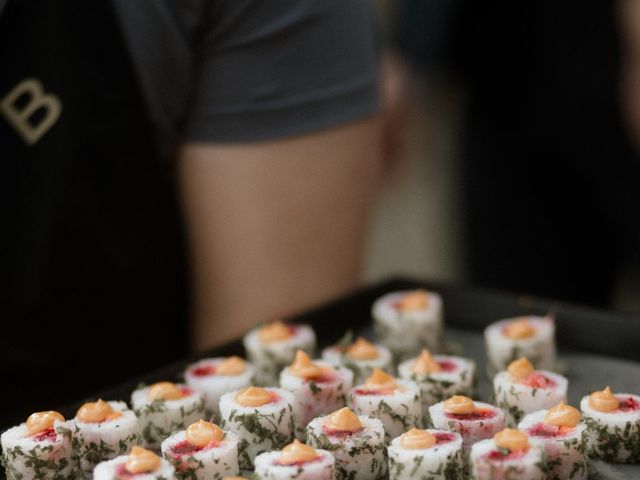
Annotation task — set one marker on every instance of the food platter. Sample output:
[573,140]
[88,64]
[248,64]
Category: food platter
[596,347]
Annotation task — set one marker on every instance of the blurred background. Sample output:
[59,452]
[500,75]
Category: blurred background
[515,167]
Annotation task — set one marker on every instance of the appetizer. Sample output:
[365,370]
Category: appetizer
[530,336]
[521,390]
[356,441]
[408,321]
[214,377]
[273,346]
[163,408]
[432,454]
[262,418]
[296,461]
[439,376]
[202,451]
[317,388]
[140,464]
[396,403]
[361,357]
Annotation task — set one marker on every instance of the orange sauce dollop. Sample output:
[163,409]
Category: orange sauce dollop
[141,460]
[253,397]
[164,391]
[274,332]
[520,369]
[231,366]
[416,439]
[425,364]
[202,433]
[42,421]
[303,367]
[519,329]
[97,412]
[362,349]
[414,301]
[604,401]
[343,420]
[563,415]
[381,381]
[297,452]
[512,440]
[459,405]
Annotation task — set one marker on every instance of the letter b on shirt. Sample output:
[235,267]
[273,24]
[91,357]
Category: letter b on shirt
[22,116]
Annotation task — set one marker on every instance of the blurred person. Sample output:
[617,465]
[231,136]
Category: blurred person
[549,178]
[252,124]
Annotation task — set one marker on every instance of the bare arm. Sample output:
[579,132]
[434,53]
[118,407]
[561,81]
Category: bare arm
[275,227]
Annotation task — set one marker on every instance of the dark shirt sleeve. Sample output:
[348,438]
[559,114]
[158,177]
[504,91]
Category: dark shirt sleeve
[268,69]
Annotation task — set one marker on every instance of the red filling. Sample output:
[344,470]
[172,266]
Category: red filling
[444,437]
[628,405]
[124,474]
[477,415]
[339,434]
[501,455]
[547,431]
[538,380]
[203,371]
[49,435]
[292,328]
[366,391]
[185,448]
[327,377]
[186,391]
[447,366]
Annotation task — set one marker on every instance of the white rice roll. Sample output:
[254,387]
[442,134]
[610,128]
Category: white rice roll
[395,402]
[361,358]
[98,441]
[484,422]
[214,377]
[531,336]
[260,428]
[442,461]
[325,390]
[565,447]
[159,418]
[272,347]
[51,447]
[116,469]
[453,376]
[538,390]
[360,454]
[408,321]
[488,463]
[269,466]
[216,459]
[614,436]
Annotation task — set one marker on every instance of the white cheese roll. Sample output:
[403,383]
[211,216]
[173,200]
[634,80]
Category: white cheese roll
[261,428]
[359,455]
[51,448]
[100,441]
[565,447]
[456,377]
[488,462]
[614,436]
[116,469]
[538,344]
[484,423]
[540,390]
[160,418]
[361,368]
[408,321]
[214,460]
[272,355]
[205,377]
[317,396]
[442,461]
[269,467]
[399,409]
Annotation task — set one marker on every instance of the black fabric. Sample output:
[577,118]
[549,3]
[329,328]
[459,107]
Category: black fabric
[92,280]
[549,177]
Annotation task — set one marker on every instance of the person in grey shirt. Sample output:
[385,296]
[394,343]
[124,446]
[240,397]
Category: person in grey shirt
[249,125]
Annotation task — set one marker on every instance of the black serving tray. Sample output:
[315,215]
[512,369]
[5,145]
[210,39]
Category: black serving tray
[585,335]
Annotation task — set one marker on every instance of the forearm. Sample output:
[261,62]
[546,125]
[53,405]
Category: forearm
[276,227]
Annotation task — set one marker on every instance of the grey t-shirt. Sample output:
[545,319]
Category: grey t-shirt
[250,70]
